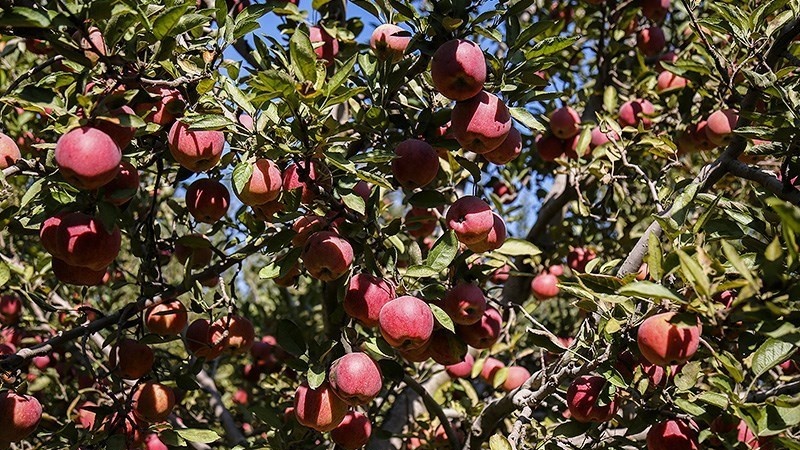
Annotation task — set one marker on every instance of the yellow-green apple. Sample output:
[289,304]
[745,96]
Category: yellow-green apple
[389,42]
[319,409]
[481,123]
[87,157]
[458,69]
[207,200]
[195,150]
[415,164]
[327,256]
[406,322]
[365,296]
[355,378]
[470,218]
[663,343]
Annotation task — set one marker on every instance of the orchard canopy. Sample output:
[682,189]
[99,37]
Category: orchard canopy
[396,224]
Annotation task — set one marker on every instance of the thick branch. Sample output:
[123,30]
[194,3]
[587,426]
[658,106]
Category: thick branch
[766,179]
[235,436]
[434,408]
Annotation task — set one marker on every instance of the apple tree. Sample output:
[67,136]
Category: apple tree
[525,224]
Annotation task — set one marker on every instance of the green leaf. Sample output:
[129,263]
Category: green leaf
[355,202]
[694,273]
[442,317]
[648,289]
[421,272]
[316,376]
[269,271]
[238,97]
[24,17]
[208,122]
[5,273]
[525,117]
[551,46]
[443,252]
[196,435]
[689,407]
[304,60]
[770,354]
[737,262]
[290,337]
[241,176]
[32,191]
[167,20]
[518,247]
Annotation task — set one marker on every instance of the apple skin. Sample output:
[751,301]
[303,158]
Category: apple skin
[458,69]
[131,359]
[668,81]
[166,101]
[198,339]
[416,164]
[77,276]
[330,45]
[406,322]
[490,368]
[545,286]
[720,126]
[19,416]
[651,40]
[464,303]
[122,135]
[417,355]
[353,432]
[582,400]
[601,138]
[85,415]
[327,256]
[264,184]
[550,147]
[484,333]
[201,256]
[579,257]
[10,309]
[508,151]
[129,427]
[167,319]
[153,402]
[123,187]
[672,435]
[195,150]
[493,240]
[634,112]
[153,442]
[365,296]
[355,378]
[663,343]
[389,42]
[481,123]
[9,151]
[565,123]
[207,200]
[462,369]
[319,409]
[241,334]
[87,157]
[655,10]
[317,173]
[94,46]
[471,218]
[420,222]
[515,378]
[501,275]
[446,348]
[84,242]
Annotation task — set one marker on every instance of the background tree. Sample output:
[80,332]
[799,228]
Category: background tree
[453,224]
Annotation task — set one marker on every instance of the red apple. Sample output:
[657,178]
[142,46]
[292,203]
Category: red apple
[355,378]
[458,69]
[389,42]
[471,218]
[415,164]
[153,402]
[319,409]
[131,359]
[484,333]
[664,343]
[406,322]
[87,157]
[674,434]
[9,151]
[207,200]
[327,256]
[481,123]
[195,150]
[465,303]
[365,296]
[353,432]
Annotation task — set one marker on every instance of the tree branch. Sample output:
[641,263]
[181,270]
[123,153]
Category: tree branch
[235,436]
[766,179]
[435,409]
